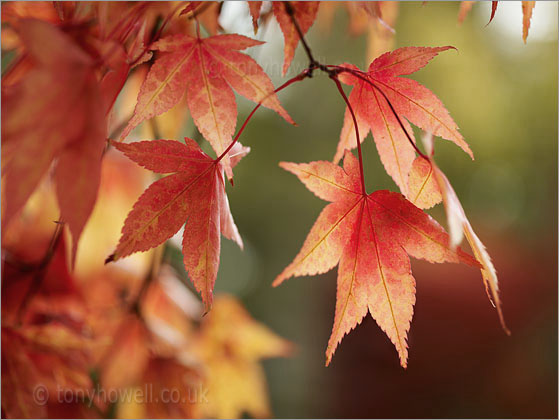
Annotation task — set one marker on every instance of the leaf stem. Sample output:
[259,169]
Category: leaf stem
[41,269]
[359,75]
[291,13]
[358,140]
[332,72]
[303,75]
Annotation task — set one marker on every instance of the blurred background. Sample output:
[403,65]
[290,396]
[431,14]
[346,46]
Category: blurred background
[503,95]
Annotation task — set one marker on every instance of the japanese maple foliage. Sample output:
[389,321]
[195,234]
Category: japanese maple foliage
[207,69]
[370,236]
[195,194]
[82,77]
[431,186]
[374,94]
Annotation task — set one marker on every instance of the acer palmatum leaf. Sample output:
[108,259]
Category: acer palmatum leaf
[208,69]
[410,100]
[194,193]
[370,237]
[459,226]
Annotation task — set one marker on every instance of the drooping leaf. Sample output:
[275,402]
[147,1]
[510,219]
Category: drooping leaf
[207,69]
[194,193]
[370,237]
[254,10]
[409,100]
[466,6]
[527,9]
[459,226]
[305,13]
[494,5]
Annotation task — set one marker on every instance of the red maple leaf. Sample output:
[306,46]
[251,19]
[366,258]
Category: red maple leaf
[194,193]
[59,106]
[408,99]
[206,69]
[370,236]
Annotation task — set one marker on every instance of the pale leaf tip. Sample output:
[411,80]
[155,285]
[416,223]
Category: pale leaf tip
[288,166]
[278,280]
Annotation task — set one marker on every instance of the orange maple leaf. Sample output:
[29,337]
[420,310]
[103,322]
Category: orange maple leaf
[370,236]
[434,188]
[207,69]
[195,194]
[369,100]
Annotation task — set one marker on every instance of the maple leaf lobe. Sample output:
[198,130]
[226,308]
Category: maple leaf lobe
[379,96]
[194,193]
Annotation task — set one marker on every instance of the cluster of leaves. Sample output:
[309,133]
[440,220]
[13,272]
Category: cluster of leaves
[73,340]
[71,62]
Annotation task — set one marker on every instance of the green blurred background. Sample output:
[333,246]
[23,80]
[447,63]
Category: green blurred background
[503,95]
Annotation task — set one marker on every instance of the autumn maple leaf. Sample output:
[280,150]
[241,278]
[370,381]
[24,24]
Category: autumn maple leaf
[207,69]
[370,236]
[429,186]
[409,99]
[195,194]
[54,114]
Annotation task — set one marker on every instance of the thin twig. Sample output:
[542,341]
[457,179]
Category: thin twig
[152,274]
[41,269]
[291,13]
[303,75]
